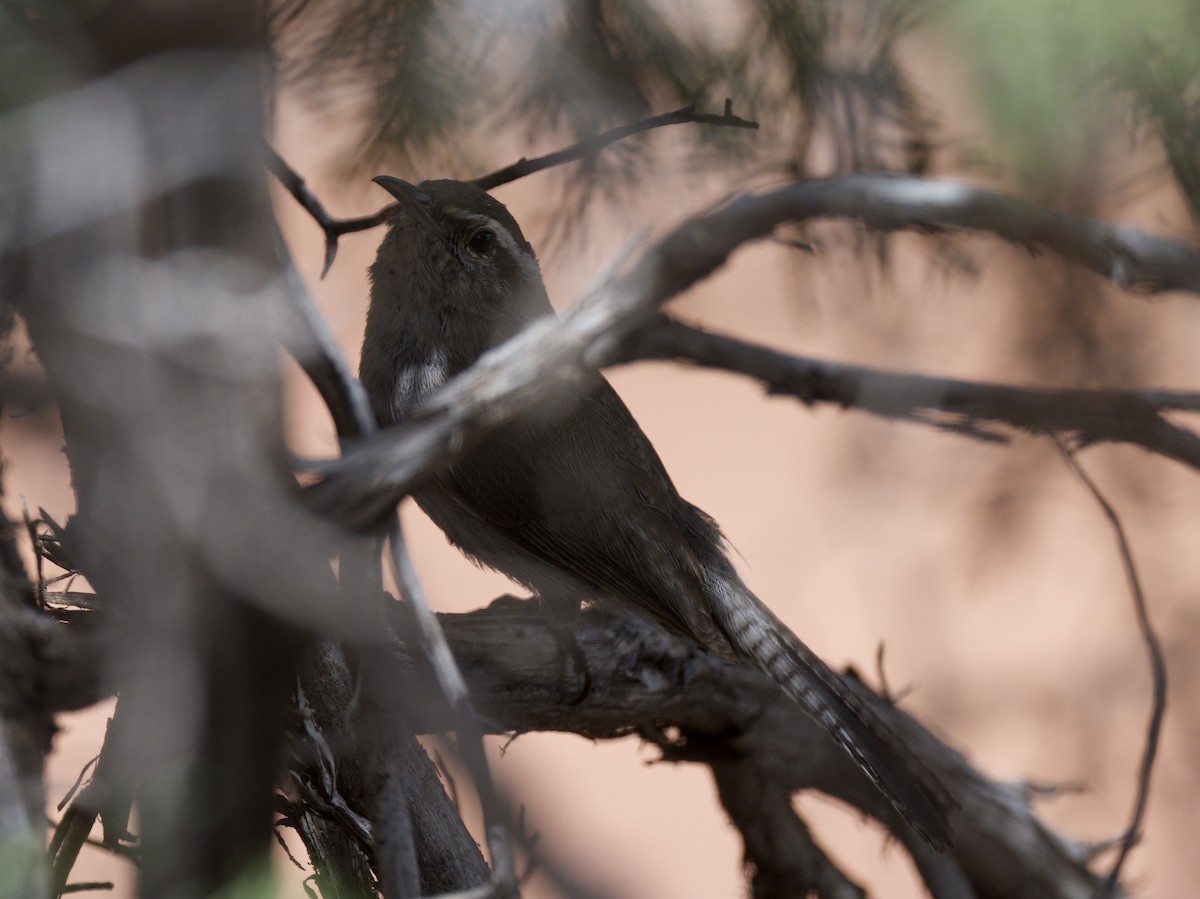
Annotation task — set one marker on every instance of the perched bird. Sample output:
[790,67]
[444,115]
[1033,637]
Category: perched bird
[572,501]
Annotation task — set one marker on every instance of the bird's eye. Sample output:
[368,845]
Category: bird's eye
[482,241]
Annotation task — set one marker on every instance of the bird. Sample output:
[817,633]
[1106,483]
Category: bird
[573,501]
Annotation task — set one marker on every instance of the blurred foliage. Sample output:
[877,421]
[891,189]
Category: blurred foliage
[829,80]
[1164,80]
[418,66]
[1046,70]
[833,71]
[568,69]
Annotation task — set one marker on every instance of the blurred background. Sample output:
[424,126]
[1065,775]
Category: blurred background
[986,572]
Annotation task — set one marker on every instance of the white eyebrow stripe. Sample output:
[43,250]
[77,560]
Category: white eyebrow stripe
[503,235]
[506,239]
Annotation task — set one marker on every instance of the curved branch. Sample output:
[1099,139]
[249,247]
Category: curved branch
[783,855]
[533,368]
[1130,258]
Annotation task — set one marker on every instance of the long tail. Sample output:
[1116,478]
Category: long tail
[758,636]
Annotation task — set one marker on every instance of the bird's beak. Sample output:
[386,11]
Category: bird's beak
[411,197]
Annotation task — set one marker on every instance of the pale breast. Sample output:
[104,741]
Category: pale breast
[416,381]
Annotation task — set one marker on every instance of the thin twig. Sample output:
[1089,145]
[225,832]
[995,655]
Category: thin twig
[589,147]
[333,228]
[68,839]
[83,773]
[312,344]
[129,852]
[1158,671]
[286,822]
[448,777]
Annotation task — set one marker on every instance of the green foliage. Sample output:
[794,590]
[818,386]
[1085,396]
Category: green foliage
[1046,69]
[440,76]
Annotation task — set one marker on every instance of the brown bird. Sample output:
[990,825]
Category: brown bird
[573,502]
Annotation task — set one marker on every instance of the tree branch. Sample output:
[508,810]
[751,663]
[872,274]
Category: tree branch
[333,228]
[533,368]
[583,149]
[620,675]
[298,188]
[973,408]
[781,853]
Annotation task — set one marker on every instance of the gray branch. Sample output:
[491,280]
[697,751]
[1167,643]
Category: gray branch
[973,408]
[533,368]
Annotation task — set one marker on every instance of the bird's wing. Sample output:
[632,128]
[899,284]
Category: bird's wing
[585,492]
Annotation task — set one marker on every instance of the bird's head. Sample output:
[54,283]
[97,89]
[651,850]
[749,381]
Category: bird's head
[454,249]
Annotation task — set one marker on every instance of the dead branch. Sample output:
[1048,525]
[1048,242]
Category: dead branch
[781,853]
[583,149]
[972,408]
[333,229]
[615,675]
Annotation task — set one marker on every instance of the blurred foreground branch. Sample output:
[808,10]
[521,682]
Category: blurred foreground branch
[395,799]
[153,308]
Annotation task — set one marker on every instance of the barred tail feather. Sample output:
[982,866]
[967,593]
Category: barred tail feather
[758,636]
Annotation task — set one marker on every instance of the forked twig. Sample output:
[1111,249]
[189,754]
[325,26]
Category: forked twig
[333,228]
